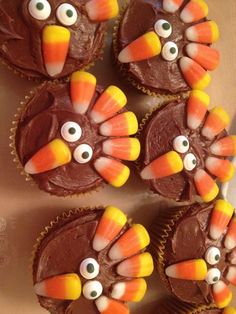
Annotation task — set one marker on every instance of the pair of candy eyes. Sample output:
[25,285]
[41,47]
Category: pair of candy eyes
[181,145]
[41,10]
[72,132]
[212,257]
[170,50]
[89,269]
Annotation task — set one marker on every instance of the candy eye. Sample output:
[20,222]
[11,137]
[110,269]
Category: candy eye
[67,14]
[83,153]
[92,290]
[213,276]
[71,131]
[190,162]
[170,51]
[39,9]
[89,268]
[163,28]
[181,144]
[212,255]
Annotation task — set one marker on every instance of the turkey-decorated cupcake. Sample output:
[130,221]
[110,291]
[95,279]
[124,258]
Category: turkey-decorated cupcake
[194,251]
[91,261]
[48,39]
[163,46]
[172,305]
[71,137]
[185,149]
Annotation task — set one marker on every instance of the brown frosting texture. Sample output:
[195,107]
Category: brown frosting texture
[21,38]
[41,122]
[189,239]
[158,134]
[155,74]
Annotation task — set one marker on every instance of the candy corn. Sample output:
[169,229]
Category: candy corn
[51,156]
[82,89]
[216,122]
[205,185]
[164,166]
[231,275]
[230,239]
[194,74]
[122,148]
[232,256]
[172,5]
[229,310]
[205,33]
[143,48]
[55,46]
[62,287]
[221,294]
[102,10]
[130,243]
[188,270]
[133,290]
[113,171]
[197,107]
[110,225]
[206,56]
[220,218]
[123,124]
[225,147]
[221,168]
[194,11]
[109,306]
[109,103]
[140,265]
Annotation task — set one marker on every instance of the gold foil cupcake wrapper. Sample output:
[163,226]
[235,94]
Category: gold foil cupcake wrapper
[164,97]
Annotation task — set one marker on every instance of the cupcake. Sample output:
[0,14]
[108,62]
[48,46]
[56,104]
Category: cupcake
[171,305]
[184,149]
[91,261]
[194,252]
[71,137]
[163,47]
[46,39]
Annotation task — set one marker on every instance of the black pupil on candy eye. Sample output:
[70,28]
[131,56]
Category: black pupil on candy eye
[69,13]
[85,155]
[217,257]
[173,50]
[194,162]
[185,143]
[215,279]
[93,294]
[90,268]
[40,6]
[72,131]
[166,26]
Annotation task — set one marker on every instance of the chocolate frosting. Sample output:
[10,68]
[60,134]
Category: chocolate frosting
[41,122]
[63,249]
[163,126]
[189,239]
[20,38]
[155,73]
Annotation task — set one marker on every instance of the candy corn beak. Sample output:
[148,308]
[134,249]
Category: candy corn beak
[188,270]
[145,47]
[164,166]
[55,46]
[51,156]
[62,287]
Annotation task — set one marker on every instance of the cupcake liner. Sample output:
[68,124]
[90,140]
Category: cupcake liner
[172,305]
[12,143]
[123,71]
[159,233]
